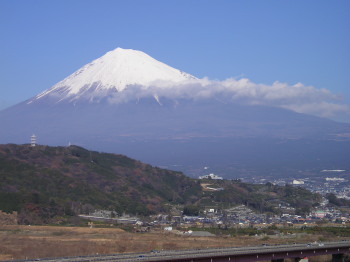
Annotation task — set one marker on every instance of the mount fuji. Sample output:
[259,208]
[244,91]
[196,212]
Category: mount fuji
[111,74]
[127,102]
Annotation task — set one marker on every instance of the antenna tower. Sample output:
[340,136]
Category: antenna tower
[33,140]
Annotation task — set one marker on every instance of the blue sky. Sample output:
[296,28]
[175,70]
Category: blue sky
[292,42]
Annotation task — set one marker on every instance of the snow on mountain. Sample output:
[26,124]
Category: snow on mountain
[114,72]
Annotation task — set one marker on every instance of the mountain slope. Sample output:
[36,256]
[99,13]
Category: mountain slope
[73,179]
[113,73]
[45,183]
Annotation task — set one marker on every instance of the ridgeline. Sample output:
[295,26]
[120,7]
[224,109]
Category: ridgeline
[45,184]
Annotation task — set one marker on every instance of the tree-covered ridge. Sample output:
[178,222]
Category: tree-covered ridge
[260,197]
[73,179]
[43,183]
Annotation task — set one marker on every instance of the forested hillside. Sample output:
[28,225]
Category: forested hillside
[45,184]
[55,181]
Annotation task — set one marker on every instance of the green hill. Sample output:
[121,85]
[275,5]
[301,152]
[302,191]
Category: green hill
[44,183]
[57,181]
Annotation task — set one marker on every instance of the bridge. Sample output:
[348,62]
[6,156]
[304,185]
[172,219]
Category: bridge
[274,253]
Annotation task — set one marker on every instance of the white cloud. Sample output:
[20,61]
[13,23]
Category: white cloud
[298,97]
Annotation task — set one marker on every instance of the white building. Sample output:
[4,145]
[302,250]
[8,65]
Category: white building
[298,182]
[211,176]
[335,179]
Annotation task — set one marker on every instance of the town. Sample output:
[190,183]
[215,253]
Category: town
[244,216]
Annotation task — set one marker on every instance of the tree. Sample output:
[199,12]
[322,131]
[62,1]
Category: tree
[191,210]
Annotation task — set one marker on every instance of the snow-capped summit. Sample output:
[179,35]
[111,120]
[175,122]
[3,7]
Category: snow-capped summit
[114,72]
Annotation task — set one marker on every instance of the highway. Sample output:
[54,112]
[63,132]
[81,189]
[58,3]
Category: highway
[220,253]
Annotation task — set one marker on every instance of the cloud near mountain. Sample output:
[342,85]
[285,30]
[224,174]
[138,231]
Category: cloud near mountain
[123,75]
[298,97]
